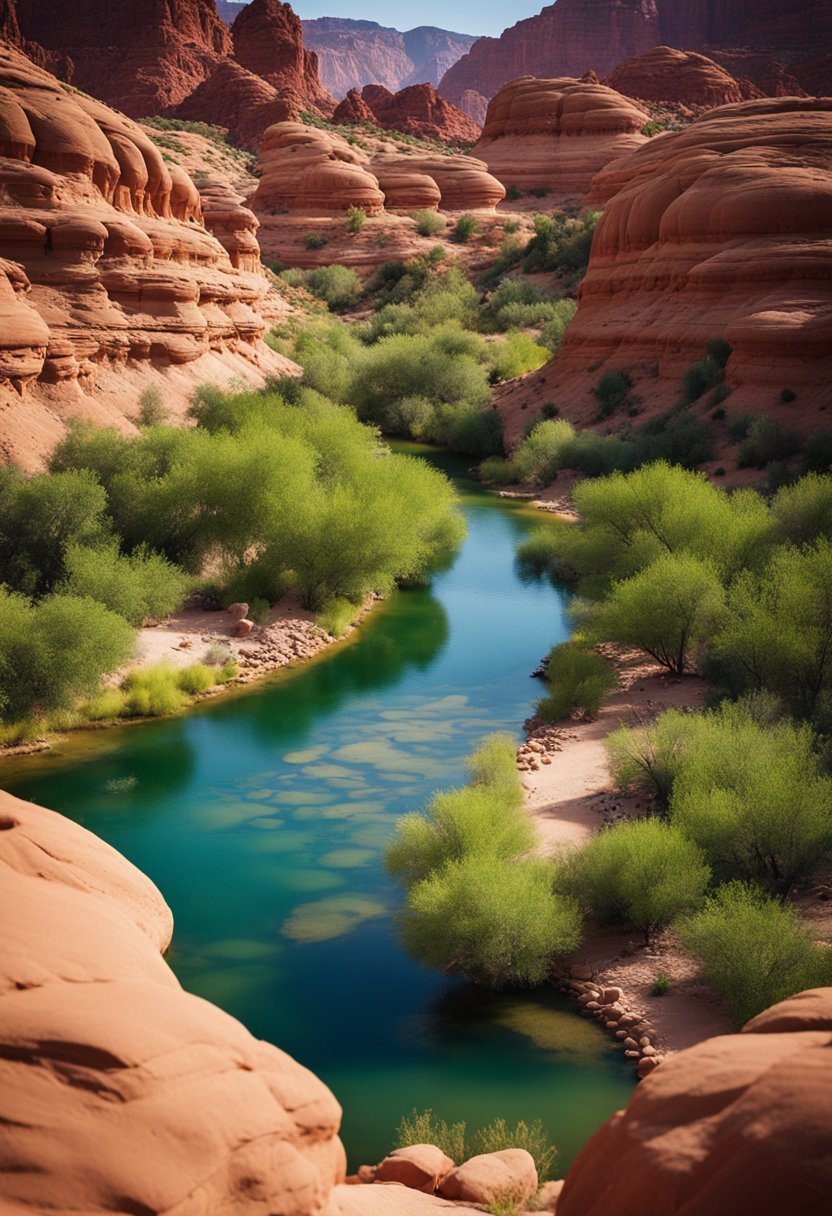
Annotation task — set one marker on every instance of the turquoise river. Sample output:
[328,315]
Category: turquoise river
[263,818]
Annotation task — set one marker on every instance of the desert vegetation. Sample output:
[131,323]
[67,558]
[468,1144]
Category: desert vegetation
[456,1142]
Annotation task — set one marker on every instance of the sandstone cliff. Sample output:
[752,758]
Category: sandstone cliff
[110,277]
[417,110]
[268,41]
[555,135]
[678,77]
[572,36]
[717,231]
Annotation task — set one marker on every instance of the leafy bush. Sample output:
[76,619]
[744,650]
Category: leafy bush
[356,218]
[817,452]
[612,392]
[669,610]
[767,440]
[641,874]
[578,680]
[754,950]
[153,692]
[465,227]
[538,457]
[55,652]
[141,586]
[648,756]
[336,617]
[196,678]
[709,372]
[152,411]
[560,243]
[556,324]
[314,240]
[338,286]
[428,223]
[515,355]
[497,923]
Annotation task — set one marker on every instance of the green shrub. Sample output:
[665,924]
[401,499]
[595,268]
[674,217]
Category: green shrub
[560,243]
[709,372]
[612,392]
[767,440]
[542,452]
[141,586]
[228,671]
[557,324]
[578,681]
[788,395]
[660,985]
[466,227]
[153,692]
[196,678]
[218,654]
[817,452]
[423,1127]
[499,924]
[754,950]
[428,223]
[55,652]
[338,286]
[260,610]
[336,617]
[152,410]
[106,706]
[515,355]
[532,1137]
[356,219]
[314,240]
[648,756]
[641,874]
[668,610]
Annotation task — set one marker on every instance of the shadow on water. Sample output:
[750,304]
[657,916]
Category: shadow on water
[264,817]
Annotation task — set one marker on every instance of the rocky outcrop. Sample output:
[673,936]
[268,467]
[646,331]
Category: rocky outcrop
[141,58]
[403,188]
[354,53]
[418,110]
[555,135]
[117,1088]
[717,231]
[234,226]
[241,102]
[313,172]
[571,36]
[111,276]
[678,77]
[268,41]
[739,1123]
[464,181]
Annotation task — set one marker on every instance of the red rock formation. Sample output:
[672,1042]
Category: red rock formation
[464,182]
[718,231]
[107,248]
[739,1123]
[244,104]
[568,37]
[268,41]
[353,109]
[666,75]
[141,58]
[234,226]
[419,110]
[556,134]
[313,172]
[405,189]
[474,105]
[116,1087]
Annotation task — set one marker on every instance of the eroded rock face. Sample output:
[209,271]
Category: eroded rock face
[404,189]
[464,181]
[682,77]
[107,1067]
[110,272]
[310,171]
[571,36]
[243,103]
[717,231]
[268,41]
[419,110]
[353,109]
[556,134]
[139,57]
[739,1123]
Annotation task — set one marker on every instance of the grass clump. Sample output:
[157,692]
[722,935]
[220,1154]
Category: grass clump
[153,692]
[660,985]
[106,706]
[532,1137]
[428,223]
[424,1127]
[196,678]
[356,219]
[754,950]
[578,680]
[337,616]
[466,227]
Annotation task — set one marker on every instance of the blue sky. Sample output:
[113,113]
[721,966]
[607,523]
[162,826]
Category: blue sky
[463,16]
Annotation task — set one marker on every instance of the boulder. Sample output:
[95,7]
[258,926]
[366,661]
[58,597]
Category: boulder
[421,1167]
[464,182]
[310,171]
[237,612]
[492,1177]
[243,628]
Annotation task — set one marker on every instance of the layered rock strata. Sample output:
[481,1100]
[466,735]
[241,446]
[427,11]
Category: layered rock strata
[676,77]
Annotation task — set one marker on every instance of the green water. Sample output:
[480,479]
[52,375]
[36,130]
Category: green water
[263,818]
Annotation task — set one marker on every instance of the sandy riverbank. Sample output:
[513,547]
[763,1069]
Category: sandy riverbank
[570,797]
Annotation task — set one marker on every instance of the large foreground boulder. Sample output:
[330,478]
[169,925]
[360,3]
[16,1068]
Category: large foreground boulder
[492,1178]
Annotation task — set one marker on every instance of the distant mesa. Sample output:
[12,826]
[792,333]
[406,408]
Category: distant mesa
[554,135]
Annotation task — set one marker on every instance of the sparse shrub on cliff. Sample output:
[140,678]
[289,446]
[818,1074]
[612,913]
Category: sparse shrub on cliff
[55,652]
[668,610]
[314,240]
[767,441]
[466,227]
[152,411]
[612,392]
[641,874]
[428,223]
[754,950]
[578,679]
[708,372]
[356,219]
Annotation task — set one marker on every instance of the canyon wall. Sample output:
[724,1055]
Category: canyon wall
[717,231]
[110,278]
[765,41]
